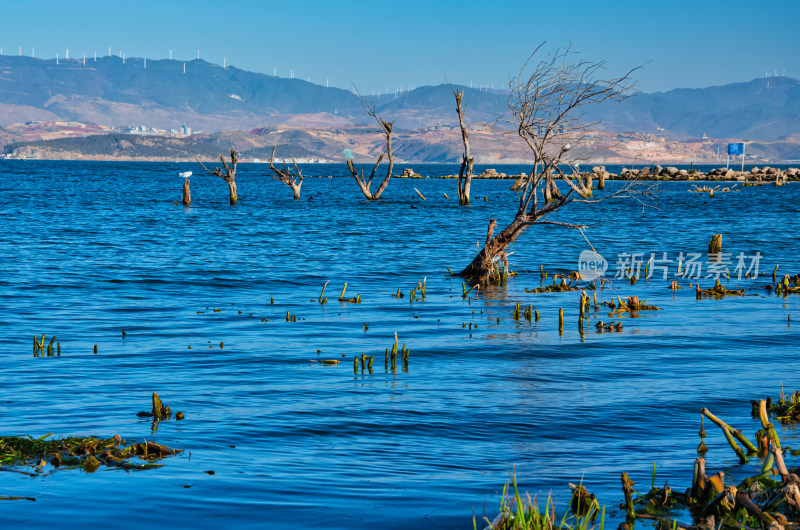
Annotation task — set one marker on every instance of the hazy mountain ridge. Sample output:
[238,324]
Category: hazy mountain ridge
[757,109]
[111,92]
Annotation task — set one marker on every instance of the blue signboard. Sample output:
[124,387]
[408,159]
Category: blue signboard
[735,149]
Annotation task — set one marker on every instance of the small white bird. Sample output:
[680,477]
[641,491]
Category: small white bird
[186,174]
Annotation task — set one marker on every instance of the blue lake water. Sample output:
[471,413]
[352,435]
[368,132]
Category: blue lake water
[91,249]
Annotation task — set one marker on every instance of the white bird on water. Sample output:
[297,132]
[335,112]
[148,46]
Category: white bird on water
[185,174]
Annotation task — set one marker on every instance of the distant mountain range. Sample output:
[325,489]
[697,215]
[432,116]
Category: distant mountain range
[168,93]
[760,109]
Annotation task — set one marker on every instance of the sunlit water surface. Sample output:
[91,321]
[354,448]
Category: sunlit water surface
[91,249]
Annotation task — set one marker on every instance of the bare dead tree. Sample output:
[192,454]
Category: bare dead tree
[292,179]
[386,129]
[230,173]
[465,173]
[546,104]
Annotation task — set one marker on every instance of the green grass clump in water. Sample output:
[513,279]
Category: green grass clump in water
[88,452]
[522,513]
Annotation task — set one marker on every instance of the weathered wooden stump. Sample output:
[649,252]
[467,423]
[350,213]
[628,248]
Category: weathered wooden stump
[187,196]
[633,303]
[587,185]
[715,246]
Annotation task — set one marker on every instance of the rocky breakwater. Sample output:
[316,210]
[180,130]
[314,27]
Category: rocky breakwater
[765,174]
[409,173]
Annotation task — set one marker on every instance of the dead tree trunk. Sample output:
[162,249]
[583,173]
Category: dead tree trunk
[483,265]
[545,102]
[365,183]
[465,174]
[187,196]
[230,173]
[293,180]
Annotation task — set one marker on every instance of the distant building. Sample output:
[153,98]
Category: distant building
[186,131]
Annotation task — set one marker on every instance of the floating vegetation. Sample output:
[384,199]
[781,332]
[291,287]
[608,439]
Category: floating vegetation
[87,452]
[329,362]
[789,284]
[556,287]
[786,409]
[611,326]
[718,291]
[708,189]
[769,499]
[631,305]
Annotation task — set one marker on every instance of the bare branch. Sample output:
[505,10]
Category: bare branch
[374,169]
[215,173]
[559,223]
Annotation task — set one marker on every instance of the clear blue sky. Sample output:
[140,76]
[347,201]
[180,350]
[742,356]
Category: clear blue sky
[379,44]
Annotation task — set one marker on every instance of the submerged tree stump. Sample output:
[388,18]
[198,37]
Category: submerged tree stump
[715,246]
[293,180]
[187,196]
[587,185]
[230,173]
